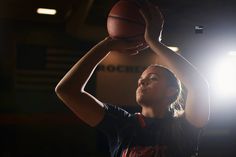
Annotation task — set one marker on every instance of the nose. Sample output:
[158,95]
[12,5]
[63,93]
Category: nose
[143,82]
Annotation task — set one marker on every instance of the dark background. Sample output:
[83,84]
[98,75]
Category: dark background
[37,50]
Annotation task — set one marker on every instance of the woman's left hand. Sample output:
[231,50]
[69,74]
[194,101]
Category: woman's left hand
[153,19]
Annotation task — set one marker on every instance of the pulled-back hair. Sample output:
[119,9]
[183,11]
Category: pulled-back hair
[176,101]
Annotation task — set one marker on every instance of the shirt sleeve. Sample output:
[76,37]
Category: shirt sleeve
[114,119]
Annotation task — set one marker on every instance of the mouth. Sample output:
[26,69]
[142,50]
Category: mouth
[141,90]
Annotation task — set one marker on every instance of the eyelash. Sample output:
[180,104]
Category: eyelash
[153,78]
[150,78]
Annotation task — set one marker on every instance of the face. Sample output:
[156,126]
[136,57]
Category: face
[152,87]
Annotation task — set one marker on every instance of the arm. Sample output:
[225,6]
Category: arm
[197,103]
[71,87]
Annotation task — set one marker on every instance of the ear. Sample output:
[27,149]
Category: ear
[171,91]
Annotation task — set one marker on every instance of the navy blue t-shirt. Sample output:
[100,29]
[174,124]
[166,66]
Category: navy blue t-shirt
[133,135]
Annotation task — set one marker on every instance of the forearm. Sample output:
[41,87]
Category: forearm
[71,88]
[197,103]
[182,68]
[77,77]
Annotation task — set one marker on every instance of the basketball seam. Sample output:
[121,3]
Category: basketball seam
[126,19]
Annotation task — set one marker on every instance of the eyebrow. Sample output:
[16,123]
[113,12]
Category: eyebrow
[151,74]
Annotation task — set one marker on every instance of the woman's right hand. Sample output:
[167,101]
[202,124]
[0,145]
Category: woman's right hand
[154,21]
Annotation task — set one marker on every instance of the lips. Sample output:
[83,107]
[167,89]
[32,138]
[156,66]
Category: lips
[141,90]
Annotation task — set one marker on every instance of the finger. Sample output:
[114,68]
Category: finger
[128,52]
[134,48]
[153,9]
[157,9]
[125,42]
[137,49]
[144,8]
[133,44]
[135,53]
[144,49]
[143,15]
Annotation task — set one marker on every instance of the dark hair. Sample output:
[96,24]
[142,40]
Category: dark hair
[176,102]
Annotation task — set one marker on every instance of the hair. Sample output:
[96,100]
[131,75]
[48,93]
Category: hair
[176,101]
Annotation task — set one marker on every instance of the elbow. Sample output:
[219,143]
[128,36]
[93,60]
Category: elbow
[59,90]
[198,122]
[63,91]
[199,118]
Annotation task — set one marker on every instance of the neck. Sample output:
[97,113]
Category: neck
[157,111]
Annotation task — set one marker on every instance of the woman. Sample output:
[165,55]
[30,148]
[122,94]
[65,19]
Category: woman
[159,130]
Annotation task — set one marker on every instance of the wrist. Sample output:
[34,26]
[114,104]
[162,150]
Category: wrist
[105,45]
[154,37]
[154,42]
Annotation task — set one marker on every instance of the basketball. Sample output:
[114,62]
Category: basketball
[125,22]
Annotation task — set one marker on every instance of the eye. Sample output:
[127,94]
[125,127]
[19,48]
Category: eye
[153,77]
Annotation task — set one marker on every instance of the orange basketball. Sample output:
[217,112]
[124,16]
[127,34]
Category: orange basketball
[125,22]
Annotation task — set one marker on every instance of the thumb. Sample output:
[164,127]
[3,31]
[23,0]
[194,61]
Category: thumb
[143,15]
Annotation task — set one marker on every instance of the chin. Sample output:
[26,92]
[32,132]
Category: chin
[145,101]
[141,101]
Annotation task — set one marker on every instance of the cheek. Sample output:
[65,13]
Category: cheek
[157,90]
[155,87]
[139,93]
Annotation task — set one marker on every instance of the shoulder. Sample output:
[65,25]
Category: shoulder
[115,116]
[114,108]
[116,111]
[184,125]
